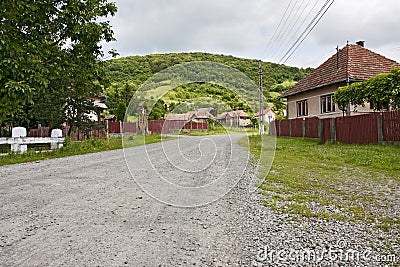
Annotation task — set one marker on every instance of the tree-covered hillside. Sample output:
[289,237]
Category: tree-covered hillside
[128,74]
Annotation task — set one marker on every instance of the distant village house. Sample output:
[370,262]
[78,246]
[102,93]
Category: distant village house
[237,118]
[267,115]
[200,115]
[99,107]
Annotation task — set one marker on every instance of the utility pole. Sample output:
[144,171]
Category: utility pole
[260,95]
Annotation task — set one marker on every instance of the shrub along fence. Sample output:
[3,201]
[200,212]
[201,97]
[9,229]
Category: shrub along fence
[371,128]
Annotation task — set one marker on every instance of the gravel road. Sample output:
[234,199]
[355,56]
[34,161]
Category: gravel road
[147,206]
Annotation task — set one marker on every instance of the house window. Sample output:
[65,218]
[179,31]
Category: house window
[302,108]
[327,104]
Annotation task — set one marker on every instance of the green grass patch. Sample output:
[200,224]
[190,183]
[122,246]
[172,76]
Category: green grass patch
[72,148]
[333,181]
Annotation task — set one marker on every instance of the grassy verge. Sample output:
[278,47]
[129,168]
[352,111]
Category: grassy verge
[334,181]
[77,148]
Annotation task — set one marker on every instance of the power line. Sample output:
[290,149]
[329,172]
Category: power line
[277,38]
[312,28]
[307,31]
[289,27]
[276,30]
[299,25]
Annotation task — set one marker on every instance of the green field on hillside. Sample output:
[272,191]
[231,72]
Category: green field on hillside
[126,75]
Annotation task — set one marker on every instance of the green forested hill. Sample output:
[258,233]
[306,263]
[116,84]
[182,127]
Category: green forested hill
[128,73]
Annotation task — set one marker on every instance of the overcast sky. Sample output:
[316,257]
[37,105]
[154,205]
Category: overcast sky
[246,28]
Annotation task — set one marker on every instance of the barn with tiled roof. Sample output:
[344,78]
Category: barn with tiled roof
[313,95]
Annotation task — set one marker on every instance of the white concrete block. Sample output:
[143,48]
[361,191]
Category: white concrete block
[19,132]
[56,133]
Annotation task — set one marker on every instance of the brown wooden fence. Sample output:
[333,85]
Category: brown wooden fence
[82,135]
[154,126]
[391,126]
[362,129]
[128,127]
[311,127]
[76,134]
[40,132]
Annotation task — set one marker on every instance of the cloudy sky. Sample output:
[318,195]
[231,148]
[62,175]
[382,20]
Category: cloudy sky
[249,29]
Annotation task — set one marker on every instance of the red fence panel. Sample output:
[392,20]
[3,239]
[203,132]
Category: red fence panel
[278,127]
[114,127]
[82,135]
[129,127]
[391,126]
[311,125]
[273,128]
[285,128]
[327,129]
[157,126]
[361,129]
[297,128]
[40,132]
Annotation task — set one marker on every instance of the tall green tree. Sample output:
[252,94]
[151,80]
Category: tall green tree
[120,112]
[50,58]
[278,107]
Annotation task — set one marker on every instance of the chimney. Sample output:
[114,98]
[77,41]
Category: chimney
[361,43]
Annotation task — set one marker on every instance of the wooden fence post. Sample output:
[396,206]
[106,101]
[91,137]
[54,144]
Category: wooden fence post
[107,130]
[279,122]
[333,129]
[380,128]
[290,128]
[321,130]
[303,127]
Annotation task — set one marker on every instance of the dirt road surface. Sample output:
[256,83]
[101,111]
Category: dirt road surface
[88,210]
[92,210]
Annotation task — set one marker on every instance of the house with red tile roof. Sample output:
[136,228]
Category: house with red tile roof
[236,118]
[200,115]
[313,95]
[268,115]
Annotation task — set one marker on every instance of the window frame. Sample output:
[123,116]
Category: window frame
[327,104]
[302,108]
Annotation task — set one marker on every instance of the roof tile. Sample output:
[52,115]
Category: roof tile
[352,61]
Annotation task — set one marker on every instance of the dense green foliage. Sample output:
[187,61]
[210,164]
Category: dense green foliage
[50,59]
[129,73]
[381,92]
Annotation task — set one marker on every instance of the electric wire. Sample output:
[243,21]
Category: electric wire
[289,15]
[277,28]
[300,25]
[282,42]
[306,32]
